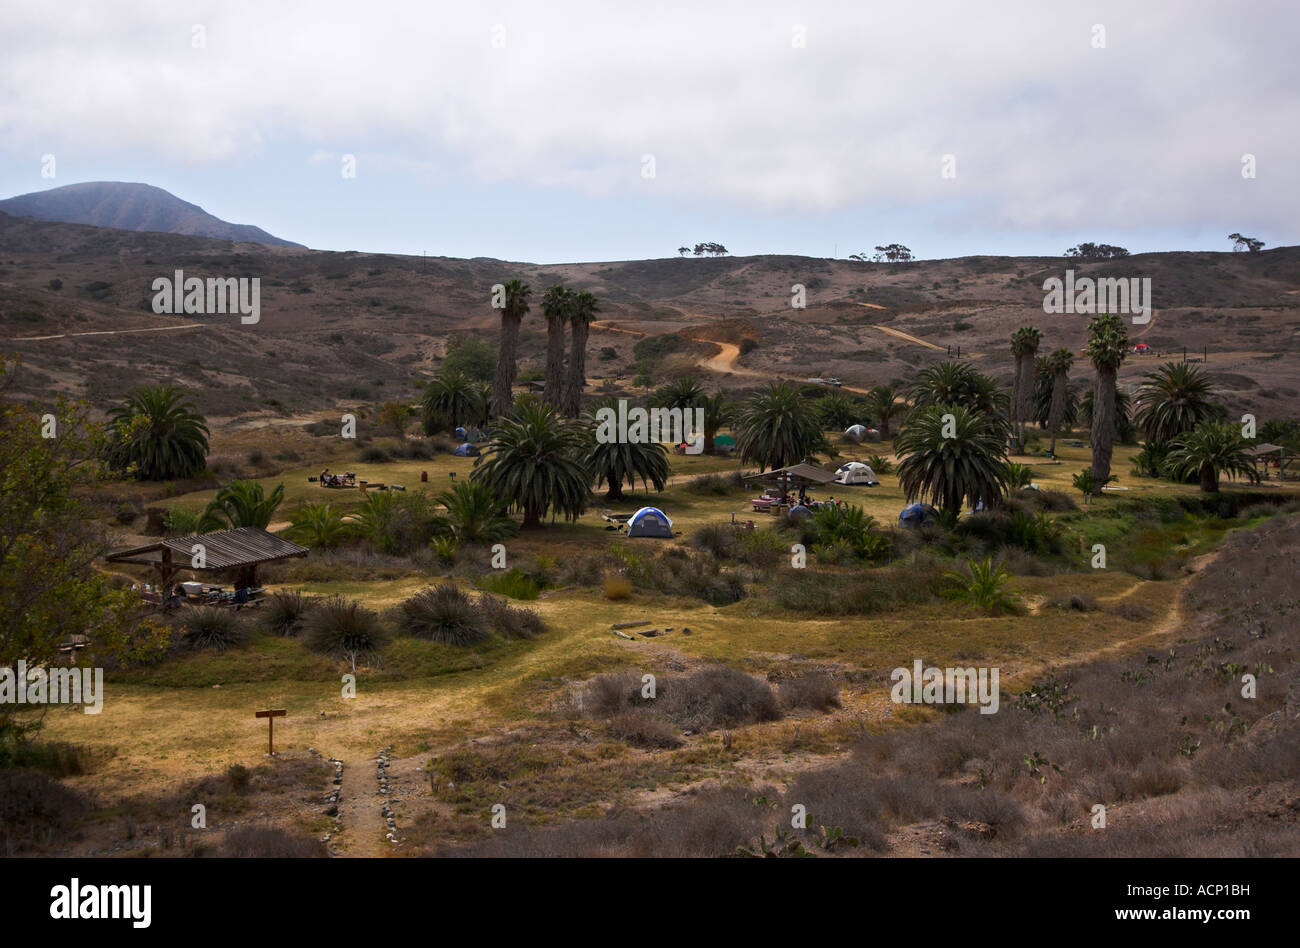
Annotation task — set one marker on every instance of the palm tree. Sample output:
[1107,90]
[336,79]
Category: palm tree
[557,303]
[957,383]
[157,435]
[1058,366]
[883,403]
[969,465]
[580,314]
[475,514]
[241,504]
[623,461]
[682,393]
[1024,346]
[717,411]
[451,399]
[1211,449]
[1174,399]
[512,314]
[1107,346]
[777,428]
[534,464]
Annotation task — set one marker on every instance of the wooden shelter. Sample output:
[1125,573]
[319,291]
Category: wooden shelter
[242,549]
[796,475]
[1266,453]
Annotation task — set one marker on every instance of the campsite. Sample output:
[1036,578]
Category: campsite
[683,432]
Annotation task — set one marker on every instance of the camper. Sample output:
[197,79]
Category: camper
[855,472]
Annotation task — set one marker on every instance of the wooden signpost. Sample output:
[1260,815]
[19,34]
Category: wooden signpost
[271,715]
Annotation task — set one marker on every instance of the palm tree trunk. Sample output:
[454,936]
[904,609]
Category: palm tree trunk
[1056,411]
[576,380]
[504,379]
[1103,425]
[553,393]
[884,427]
[1025,395]
[532,520]
[1209,479]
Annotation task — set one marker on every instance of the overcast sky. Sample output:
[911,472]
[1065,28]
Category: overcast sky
[522,130]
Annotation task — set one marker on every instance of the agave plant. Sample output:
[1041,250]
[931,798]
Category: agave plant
[983,585]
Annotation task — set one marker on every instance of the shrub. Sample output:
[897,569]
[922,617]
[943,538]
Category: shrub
[617,587]
[762,548]
[374,455]
[880,464]
[343,628]
[445,548]
[643,728]
[214,628]
[1075,602]
[268,842]
[508,621]
[813,690]
[284,611]
[717,485]
[514,583]
[181,522]
[715,697]
[34,808]
[717,539]
[444,614]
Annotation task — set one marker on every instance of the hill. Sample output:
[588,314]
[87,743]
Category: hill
[131,207]
[339,330]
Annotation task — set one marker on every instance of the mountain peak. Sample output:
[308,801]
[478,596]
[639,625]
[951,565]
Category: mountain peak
[131,206]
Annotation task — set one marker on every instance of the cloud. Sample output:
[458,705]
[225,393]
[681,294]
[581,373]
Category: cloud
[1048,131]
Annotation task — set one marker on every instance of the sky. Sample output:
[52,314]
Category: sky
[558,132]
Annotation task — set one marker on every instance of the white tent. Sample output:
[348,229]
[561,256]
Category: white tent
[855,472]
[855,433]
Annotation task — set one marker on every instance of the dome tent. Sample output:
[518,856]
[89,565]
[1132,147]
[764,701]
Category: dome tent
[914,515]
[855,433]
[855,472]
[649,522]
[466,450]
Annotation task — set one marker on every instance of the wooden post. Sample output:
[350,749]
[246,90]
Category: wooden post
[270,715]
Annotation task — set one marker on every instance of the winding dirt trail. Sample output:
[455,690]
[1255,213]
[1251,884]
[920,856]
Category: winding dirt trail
[105,332]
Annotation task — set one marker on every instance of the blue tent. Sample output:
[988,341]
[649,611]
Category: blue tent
[466,450]
[800,512]
[649,522]
[914,515]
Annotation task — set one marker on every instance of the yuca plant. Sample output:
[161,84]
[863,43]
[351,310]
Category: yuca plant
[210,627]
[445,548]
[1088,485]
[982,585]
[444,614]
[343,628]
[284,611]
[880,464]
